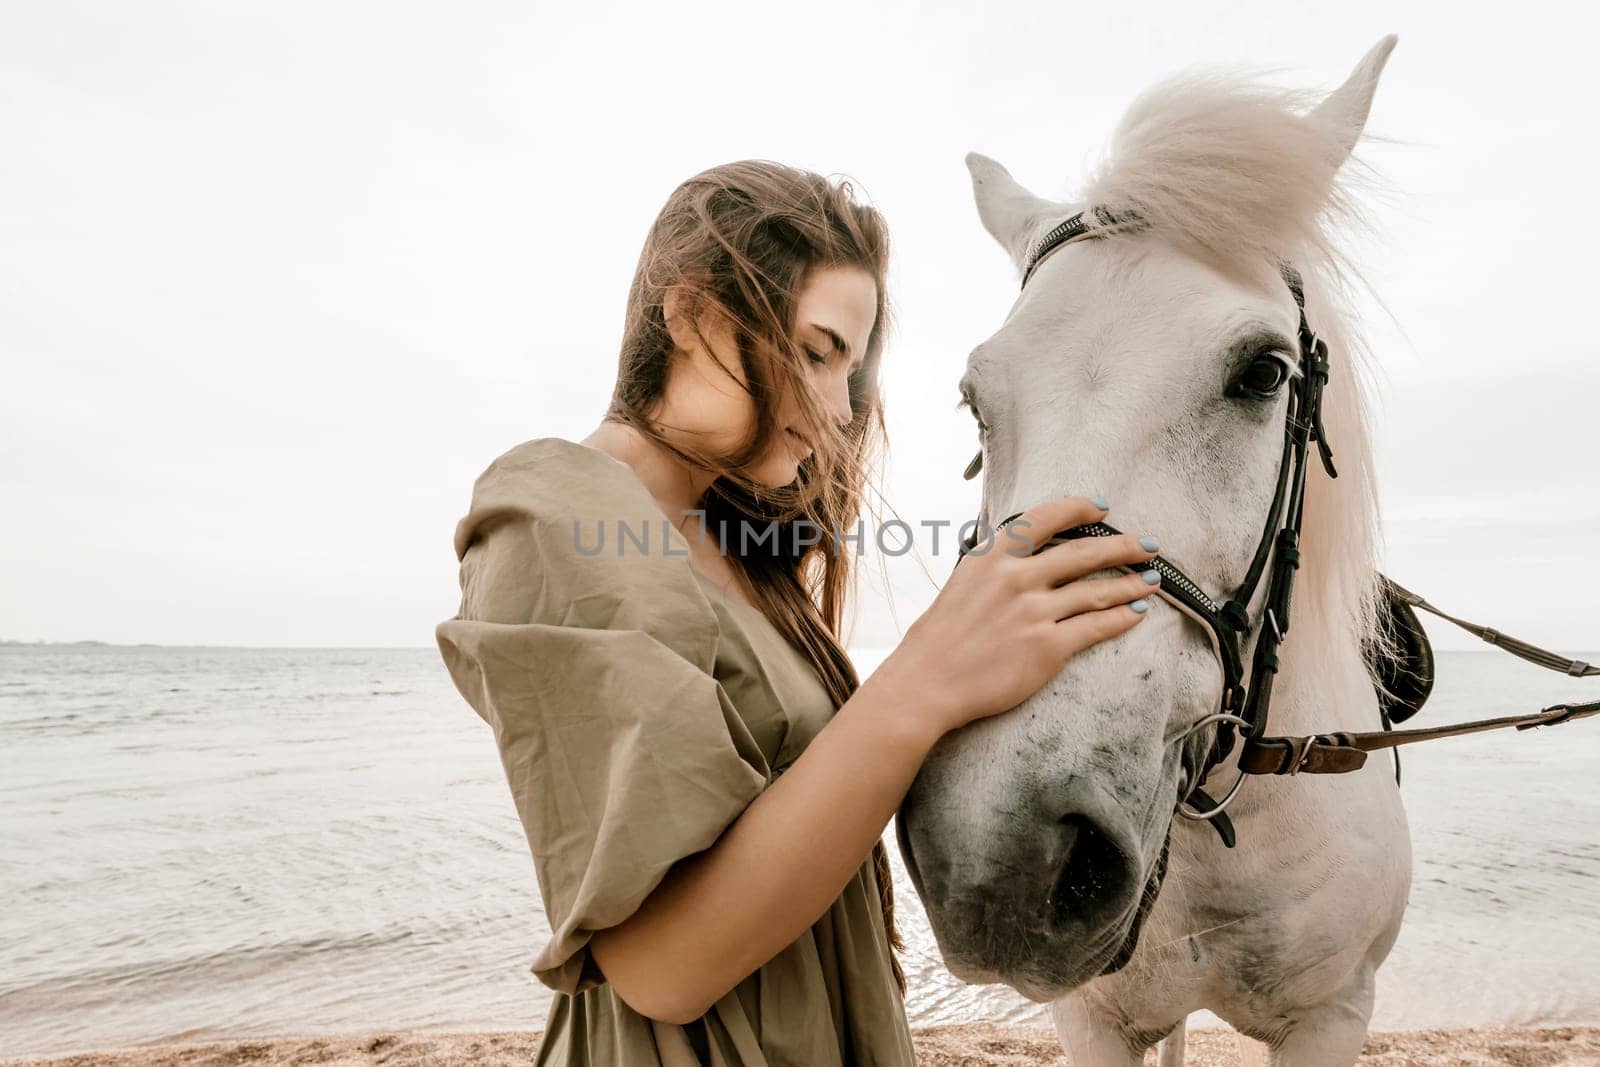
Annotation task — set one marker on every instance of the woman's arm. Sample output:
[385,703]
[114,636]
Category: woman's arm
[1000,628]
[720,914]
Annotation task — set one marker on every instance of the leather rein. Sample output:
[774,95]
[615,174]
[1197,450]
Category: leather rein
[1246,698]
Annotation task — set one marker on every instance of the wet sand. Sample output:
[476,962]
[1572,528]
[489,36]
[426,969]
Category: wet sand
[973,1045]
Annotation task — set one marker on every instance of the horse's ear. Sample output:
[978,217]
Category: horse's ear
[1011,214]
[1345,109]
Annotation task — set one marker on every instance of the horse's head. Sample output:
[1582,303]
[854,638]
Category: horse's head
[1152,367]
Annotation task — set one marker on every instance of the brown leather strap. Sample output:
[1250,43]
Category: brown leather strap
[1577,668]
[1343,752]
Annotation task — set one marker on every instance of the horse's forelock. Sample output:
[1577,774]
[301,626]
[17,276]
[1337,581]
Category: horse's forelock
[1223,162]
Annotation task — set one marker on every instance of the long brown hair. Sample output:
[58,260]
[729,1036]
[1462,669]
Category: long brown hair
[739,241]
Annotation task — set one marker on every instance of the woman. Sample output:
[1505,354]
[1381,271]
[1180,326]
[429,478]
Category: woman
[702,780]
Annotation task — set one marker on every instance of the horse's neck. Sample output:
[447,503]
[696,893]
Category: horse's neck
[1321,690]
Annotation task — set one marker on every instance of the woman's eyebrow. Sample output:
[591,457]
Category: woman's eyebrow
[840,346]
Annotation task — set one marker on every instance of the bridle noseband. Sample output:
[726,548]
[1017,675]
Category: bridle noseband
[1245,698]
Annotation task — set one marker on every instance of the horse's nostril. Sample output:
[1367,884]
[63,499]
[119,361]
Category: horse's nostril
[1091,872]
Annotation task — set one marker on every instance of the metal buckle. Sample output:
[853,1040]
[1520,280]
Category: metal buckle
[1272,621]
[1305,754]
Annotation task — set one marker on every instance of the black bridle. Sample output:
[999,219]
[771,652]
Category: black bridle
[1244,706]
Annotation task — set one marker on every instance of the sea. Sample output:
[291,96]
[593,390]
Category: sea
[205,843]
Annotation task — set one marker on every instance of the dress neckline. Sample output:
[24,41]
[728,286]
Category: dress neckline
[629,473]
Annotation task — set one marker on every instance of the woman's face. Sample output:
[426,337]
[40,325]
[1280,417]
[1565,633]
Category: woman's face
[834,315]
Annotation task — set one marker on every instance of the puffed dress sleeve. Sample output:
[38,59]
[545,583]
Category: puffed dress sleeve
[595,671]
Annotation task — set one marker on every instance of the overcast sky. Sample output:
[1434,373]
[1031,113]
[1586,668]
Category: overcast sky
[278,280]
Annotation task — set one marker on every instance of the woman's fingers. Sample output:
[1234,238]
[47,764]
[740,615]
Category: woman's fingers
[1025,536]
[1028,531]
[1073,559]
[1091,627]
[1098,594]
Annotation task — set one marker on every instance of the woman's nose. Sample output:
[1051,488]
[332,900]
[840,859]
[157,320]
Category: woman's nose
[839,399]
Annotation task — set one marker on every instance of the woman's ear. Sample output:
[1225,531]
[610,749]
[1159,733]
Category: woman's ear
[675,302]
[713,341]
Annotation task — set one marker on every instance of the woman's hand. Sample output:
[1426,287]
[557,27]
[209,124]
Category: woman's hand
[1007,620]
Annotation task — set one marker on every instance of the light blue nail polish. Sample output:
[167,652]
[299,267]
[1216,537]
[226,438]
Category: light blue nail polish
[1140,606]
[1151,577]
[1149,544]
[1100,502]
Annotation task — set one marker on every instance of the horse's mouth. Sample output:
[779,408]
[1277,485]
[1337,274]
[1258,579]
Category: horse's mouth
[1047,980]
[1147,900]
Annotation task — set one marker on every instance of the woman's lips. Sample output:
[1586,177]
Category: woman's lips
[802,440]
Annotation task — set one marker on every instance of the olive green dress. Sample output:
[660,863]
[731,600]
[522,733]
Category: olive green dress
[638,709]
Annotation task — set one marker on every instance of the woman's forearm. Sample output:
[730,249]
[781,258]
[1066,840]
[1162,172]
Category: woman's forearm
[720,914]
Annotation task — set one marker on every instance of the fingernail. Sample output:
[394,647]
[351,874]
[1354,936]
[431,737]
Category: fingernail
[1151,577]
[1140,606]
[1149,544]
[1100,502]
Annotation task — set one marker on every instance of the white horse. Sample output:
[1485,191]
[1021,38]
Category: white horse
[1038,839]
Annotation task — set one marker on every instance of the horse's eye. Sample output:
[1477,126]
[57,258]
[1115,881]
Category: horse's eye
[1262,379]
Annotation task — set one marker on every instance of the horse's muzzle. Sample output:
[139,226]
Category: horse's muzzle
[1042,908]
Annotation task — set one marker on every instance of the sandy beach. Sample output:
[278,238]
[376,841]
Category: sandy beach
[975,1045]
